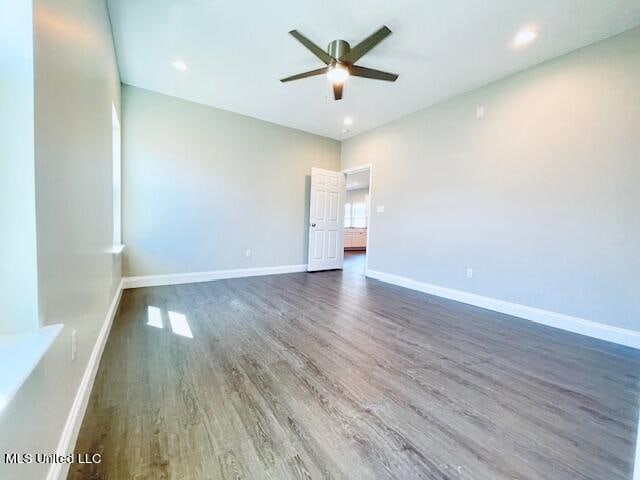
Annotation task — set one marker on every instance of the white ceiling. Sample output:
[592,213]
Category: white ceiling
[237,51]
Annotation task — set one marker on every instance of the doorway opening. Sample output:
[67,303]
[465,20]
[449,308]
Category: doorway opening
[356,219]
[339,219]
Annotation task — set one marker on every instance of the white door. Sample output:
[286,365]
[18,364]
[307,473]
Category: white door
[326,216]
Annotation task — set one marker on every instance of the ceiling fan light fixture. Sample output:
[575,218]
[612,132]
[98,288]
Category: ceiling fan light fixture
[338,74]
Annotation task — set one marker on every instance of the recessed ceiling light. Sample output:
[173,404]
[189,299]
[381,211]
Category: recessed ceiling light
[180,65]
[348,120]
[525,37]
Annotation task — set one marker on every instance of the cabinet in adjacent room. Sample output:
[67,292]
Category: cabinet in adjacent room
[355,238]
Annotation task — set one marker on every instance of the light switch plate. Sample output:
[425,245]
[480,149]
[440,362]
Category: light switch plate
[380,209]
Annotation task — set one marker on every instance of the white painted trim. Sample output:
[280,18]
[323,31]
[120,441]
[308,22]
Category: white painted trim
[359,168]
[195,277]
[629,338]
[59,471]
[117,249]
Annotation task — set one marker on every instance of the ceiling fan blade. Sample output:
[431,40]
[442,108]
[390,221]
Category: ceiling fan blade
[311,73]
[365,72]
[316,50]
[364,46]
[337,91]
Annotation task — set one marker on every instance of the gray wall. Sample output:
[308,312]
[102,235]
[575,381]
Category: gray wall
[18,274]
[76,81]
[202,185]
[540,197]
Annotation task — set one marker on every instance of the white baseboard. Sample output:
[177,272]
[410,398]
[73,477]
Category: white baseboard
[59,471]
[589,328]
[180,278]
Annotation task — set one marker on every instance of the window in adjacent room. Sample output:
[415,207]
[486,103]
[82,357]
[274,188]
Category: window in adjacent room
[347,215]
[355,214]
[359,215]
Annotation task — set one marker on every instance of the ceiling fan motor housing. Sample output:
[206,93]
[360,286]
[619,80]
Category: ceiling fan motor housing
[338,48]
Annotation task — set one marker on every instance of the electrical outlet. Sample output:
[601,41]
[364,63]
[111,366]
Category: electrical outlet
[380,209]
[74,345]
[469,272]
[480,112]
[247,254]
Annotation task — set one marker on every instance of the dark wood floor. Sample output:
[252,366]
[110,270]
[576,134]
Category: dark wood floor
[355,261]
[331,375]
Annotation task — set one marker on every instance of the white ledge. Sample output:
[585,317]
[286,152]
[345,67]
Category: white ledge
[117,249]
[19,355]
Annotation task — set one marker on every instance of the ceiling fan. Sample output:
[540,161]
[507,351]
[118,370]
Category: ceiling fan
[340,60]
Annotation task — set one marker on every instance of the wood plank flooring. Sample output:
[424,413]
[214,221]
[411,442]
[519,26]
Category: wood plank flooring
[355,261]
[333,376]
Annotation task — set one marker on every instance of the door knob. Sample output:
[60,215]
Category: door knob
[313,224]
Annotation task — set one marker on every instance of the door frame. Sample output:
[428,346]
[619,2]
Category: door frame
[356,169]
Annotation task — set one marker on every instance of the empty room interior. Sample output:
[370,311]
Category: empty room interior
[319,240]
